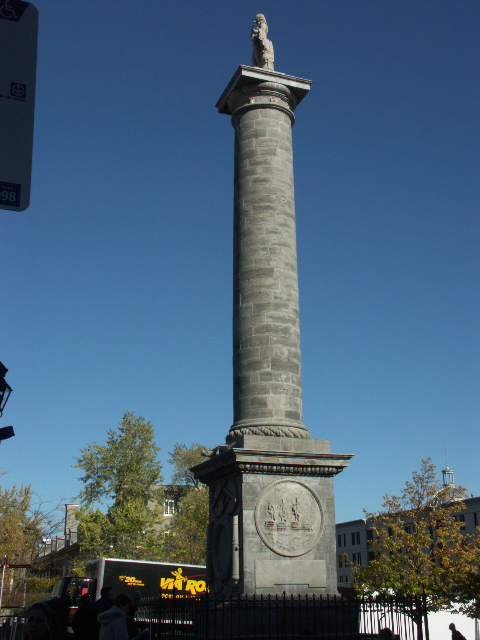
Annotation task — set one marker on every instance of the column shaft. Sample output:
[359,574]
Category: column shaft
[266,331]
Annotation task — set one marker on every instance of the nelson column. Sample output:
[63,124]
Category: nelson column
[272,520]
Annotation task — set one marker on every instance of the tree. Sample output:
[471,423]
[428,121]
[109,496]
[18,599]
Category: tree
[24,522]
[187,535]
[183,458]
[419,547]
[124,476]
[124,469]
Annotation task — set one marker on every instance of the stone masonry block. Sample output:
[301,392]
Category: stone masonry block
[275,330]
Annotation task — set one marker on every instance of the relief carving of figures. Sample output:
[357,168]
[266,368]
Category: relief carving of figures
[262,46]
[271,511]
[282,512]
[295,511]
[288,518]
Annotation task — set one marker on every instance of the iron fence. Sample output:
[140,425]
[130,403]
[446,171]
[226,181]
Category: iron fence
[214,617]
[11,627]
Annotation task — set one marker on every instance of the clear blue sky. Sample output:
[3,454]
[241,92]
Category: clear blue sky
[116,282]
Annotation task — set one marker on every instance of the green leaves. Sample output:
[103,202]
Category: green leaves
[186,540]
[124,474]
[125,468]
[183,458]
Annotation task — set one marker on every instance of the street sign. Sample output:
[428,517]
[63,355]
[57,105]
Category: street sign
[18,64]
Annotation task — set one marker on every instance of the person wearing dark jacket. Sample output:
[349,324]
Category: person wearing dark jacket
[83,620]
[113,625]
[41,623]
[104,603]
[134,597]
[113,622]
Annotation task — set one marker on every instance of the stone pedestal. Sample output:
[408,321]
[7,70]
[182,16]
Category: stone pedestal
[272,519]
[272,516]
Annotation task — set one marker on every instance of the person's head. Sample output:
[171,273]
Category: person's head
[260,18]
[451,626]
[122,602]
[134,597]
[104,591]
[39,622]
[385,634]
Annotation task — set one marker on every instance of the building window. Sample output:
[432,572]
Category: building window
[475,519]
[169,507]
[371,556]
[353,538]
[357,535]
[341,578]
[460,518]
[339,540]
[357,558]
[370,535]
[340,562]
[409,528]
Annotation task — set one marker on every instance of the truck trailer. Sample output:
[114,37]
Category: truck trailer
[150,579]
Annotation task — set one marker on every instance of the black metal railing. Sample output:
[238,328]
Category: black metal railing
[284,617]
[11,627]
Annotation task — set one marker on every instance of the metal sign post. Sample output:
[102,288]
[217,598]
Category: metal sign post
[18,64]
[4,566]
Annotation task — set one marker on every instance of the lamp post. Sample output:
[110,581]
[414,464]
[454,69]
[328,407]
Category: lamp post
[5,391]
[5,388]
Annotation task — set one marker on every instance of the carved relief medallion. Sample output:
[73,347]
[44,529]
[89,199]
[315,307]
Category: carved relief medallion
[289,518]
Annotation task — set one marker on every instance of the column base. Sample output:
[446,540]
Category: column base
[246,428]
[278,494]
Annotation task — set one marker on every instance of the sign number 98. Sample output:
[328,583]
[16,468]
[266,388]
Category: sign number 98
[9,194]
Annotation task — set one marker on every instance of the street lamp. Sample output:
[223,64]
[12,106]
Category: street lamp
[6,432]
[5,388]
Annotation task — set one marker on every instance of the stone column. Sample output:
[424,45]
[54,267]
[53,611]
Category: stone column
[272,517]
[267,383]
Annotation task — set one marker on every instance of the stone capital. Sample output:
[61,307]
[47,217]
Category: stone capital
[254,88]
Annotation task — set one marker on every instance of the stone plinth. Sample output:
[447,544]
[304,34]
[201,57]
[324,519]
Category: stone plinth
[272,516]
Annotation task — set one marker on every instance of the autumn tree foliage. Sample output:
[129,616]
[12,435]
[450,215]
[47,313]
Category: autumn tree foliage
[420,547]
[24,523]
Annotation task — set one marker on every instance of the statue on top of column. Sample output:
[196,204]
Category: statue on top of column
[262,47]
